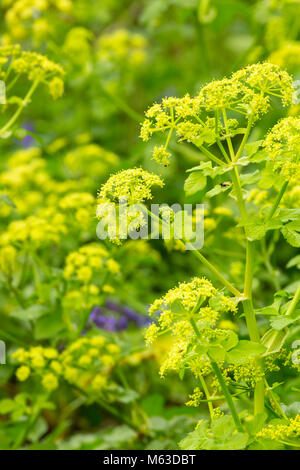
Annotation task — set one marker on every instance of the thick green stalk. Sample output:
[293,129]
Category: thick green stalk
[222,383]
[247,303]
[227,396]
[294,302]
[206,392]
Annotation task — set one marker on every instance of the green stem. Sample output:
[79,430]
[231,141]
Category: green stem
[228,139]
[239,194]
[121,104]
[275,401]
[207,394]
[202,258]
[17,113]
[227,396]
[278,199]
[212,156]
[222,383]
[217,273]
[244,140]
[259,392]
[294,302]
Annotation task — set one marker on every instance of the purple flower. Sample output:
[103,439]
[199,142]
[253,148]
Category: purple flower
[113,306]
[28,140]
[116,323]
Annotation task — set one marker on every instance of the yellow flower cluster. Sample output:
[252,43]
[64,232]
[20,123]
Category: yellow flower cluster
[86,363]
[278,432]
[194,399]
[123,46]
[78,205]
[287,56]
[90,160]
[189,305]
[20,12]
[8,259]
[248,373]
[88,261]
[39,68]
[133,185]
[35,231]
[40,361]
[247,93]
[283,146]
[77,46]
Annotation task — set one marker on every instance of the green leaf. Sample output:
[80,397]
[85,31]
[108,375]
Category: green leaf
[40,428]
[250,178]
[218,189]
[281,321]
[256,228]
[48,326]
[221,436]
[256,424]
[266,311]
[6,406]
[216,353]
[291,234]
[153,405]
[252,147]
[243,351]
[194,440]
[195,182]
[31,313]
[295,261]
[273,340]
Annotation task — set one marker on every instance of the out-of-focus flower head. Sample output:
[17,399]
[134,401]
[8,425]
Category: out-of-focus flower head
[202,119]
[283,147]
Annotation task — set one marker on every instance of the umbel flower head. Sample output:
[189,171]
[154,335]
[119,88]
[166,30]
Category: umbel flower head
[283,146]
[123,47]
[196,303]
[127,188]
[133,185]
[202,119]
[37,68]
[285,430]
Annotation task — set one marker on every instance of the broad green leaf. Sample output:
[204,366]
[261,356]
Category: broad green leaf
[6,406]
[273,340]
[250,178]
[29,314]
[153,405]
[252,147]
[194,440]
[256,228]
[218,189]
[230,340]
[195,182]
[243,351]
[295,261]
[216,353]
[267,311]
[281,321]
[48,326]
[291,234]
